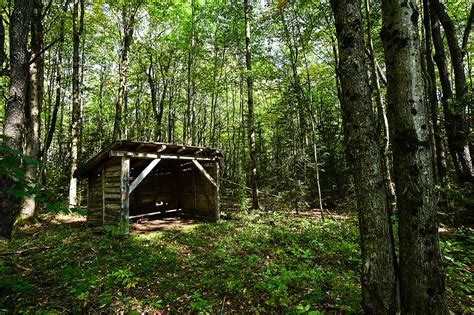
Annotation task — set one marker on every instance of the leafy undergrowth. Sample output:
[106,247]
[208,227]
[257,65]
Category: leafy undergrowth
[257,263]
[458,250]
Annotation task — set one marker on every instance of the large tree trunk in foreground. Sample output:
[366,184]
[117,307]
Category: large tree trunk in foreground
[421,272]
[250,116]
[379,283]
[15,114]
[35,102]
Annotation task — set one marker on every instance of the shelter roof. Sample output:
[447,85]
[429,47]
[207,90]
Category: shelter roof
[146,150]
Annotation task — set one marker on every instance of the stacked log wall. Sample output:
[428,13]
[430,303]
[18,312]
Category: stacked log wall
[112,195]
[94,201]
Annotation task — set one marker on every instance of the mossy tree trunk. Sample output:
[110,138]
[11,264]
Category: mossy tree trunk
[34,108]
[379,283]
[15,113]
[250,105]
[78,22]
[421,273]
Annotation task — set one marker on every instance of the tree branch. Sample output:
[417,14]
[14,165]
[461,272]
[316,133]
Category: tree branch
[20,252]
[467,30]
[379,70]
[44,50]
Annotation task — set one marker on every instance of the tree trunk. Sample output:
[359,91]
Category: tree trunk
[440,165]
[58,97]
[188,128]
[460,128]
[381,111]
[421,272]
[250,114]
[158,114]
[35,102]
[379,283]
[15,112]
[128,25]
[78,19]
[454,121]
[3,56]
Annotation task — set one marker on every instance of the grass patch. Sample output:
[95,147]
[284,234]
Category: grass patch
[257,263]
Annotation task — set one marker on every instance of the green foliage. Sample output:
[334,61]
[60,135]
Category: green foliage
[458,250]
[12,164]
[124,278]
[457,204]
[256,262]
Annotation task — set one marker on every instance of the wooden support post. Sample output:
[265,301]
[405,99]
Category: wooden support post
[194,190]
[124,192]
[102,174]
[204,172]
[143,174]
[218,201]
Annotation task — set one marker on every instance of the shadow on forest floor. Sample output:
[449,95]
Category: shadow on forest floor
[259,262]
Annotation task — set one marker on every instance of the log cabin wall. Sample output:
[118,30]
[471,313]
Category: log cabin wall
[196,195]
[155,193]
[94,201]
[112,196]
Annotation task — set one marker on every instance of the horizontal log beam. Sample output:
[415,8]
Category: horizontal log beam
[159,156]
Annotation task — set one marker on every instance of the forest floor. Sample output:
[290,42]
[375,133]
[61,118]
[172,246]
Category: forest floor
[263,262]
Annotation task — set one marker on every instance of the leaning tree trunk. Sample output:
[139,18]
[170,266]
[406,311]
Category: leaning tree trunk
[15,114]
[459,128]
[35,101]
[76,93]
[440,165]
[379,283]
[250,114]
[421,272]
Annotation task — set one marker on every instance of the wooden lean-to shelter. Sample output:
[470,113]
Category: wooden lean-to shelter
[133,179]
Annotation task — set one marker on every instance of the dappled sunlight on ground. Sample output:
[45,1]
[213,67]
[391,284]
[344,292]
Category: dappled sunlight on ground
[173,223]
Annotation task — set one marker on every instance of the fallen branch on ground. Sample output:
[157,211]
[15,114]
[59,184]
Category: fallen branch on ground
[20,252]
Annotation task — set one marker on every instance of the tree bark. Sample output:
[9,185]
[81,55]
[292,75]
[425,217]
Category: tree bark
[58,96]
[456,129]
[78,19]
[250,108]
[421,271]
[467,31]
[460,128]
[3,56]
[381,110]
[440,165]
[15,113]
[188,128]
[128,25]
[34,108]
[379,283]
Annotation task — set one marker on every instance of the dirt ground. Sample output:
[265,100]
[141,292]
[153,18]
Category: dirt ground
[172,223]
